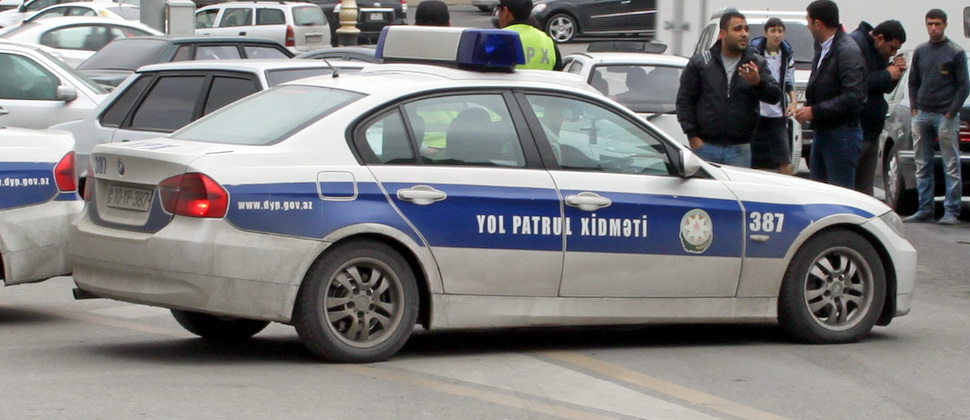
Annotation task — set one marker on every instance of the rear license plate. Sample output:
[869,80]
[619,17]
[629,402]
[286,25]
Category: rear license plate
[314,39]
[129,198]
[375,17]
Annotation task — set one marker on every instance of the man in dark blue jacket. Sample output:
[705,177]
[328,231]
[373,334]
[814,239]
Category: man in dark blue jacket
[878,46]
[720,89]
[834,97]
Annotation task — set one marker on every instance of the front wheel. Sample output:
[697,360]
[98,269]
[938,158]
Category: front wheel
[358,304]
[218,327]
[561,28]
[833,291]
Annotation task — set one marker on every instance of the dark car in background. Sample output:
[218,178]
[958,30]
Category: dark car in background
[565,20]
[372,17]
[897,161]
[119,59]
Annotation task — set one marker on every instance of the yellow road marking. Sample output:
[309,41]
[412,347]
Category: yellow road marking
[662,386]
[477,394]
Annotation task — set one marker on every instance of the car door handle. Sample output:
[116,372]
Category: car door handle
[242,33]
[588,201]
[421,195]
[3,111]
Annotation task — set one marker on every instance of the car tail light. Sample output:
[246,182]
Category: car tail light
[65,176]
[964,132]
[404,7]
[290,36]
[193,195]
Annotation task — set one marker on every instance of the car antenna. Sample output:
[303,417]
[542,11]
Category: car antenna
[336,72]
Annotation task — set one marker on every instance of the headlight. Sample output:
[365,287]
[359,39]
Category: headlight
[538,8]
[894,222]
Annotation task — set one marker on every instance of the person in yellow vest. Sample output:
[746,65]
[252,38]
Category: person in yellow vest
[541,52]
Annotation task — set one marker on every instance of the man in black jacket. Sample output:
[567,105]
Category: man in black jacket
[878,46]
[719,95]
[834,97]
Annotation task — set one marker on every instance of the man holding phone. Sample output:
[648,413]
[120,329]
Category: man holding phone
[720,93]
[878,45]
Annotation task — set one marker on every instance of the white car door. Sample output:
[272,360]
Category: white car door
[29,95]
[472,198]
[636,229]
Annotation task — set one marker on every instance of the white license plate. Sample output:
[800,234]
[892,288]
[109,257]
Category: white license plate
[800,95]
[375,17]
[129,198]
[314,39]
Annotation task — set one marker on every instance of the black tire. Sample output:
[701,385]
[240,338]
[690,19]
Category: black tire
[897,196]
[218,327]
[361,280]
[834,289]
[562,27]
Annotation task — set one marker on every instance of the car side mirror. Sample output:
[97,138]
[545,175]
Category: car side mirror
[689,163]
[66,93]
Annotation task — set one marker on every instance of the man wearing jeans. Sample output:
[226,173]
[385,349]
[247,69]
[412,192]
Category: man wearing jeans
[938,86]
[720,90]
[834,97]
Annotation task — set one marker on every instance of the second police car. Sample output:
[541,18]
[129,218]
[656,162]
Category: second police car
[359,206]
[38,200]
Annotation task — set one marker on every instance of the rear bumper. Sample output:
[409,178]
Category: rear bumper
[202,265]
[33,241]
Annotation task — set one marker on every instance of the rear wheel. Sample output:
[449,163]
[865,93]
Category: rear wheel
[358,304]
[218,327]
[897,196]
[561,28]
[833,291]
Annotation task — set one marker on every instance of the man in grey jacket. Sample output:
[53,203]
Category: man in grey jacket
[938,86]
[834,97]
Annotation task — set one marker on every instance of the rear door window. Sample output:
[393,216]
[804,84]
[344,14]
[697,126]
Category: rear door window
[169,105]
[235,16]
[270,17]
[225,90]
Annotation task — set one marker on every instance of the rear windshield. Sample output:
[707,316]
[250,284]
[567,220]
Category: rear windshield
[267,117]
[308,16]
[125,55]
[275,77]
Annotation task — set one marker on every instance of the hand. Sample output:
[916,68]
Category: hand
[792,107]
[900,61]
[895,72]
[804,114]
[915,112]
[749,71]
[696,143]
[948,115]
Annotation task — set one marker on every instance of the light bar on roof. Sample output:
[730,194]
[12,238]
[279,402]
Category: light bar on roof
[473,49]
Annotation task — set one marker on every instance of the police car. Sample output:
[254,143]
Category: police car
[38,200]
[469,197]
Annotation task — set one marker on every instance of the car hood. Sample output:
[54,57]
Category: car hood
[749,185]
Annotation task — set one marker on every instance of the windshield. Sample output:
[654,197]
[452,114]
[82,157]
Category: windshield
[125,55]
[642,88]
[267,117]
[797,34]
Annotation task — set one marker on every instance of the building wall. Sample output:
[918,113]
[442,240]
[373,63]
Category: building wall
[696,13]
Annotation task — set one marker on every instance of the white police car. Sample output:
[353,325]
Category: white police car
[415,194]
[38,200]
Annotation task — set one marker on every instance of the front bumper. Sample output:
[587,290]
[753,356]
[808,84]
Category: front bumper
[33,240]
[201,265]
[901,263]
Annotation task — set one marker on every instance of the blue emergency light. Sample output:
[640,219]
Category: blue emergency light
[465,48]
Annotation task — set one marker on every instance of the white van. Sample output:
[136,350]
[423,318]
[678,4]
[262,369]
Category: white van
[301,27]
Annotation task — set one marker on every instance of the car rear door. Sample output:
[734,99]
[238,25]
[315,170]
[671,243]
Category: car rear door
[463,171]
[635,228]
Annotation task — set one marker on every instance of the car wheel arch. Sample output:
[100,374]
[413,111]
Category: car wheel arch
[889,269]
[422,277]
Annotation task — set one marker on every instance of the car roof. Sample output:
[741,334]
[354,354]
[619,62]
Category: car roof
[374,78]
[203,39]
[259,2]
[631,57]
[251,65]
